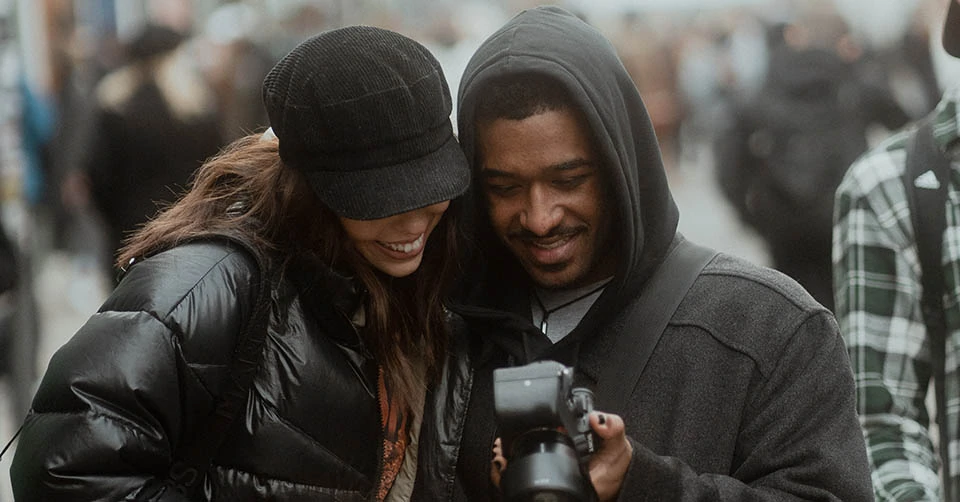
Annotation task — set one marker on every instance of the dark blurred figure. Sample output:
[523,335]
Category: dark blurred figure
[914,59]
[235,65]
[720,56]
[297,22]
[80,57]
[649,53]
[787,146]
[155,123]
[25,125]
[8,280]
[19,323]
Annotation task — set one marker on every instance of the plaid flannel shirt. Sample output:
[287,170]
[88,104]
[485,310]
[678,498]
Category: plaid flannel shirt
[877,288]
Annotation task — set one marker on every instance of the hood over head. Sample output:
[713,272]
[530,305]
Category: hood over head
[556,43]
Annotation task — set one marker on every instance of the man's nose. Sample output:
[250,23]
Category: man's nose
[541,213]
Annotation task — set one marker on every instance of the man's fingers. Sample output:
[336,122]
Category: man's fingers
[498,464]
[607,425]
[495,474]
[608,467]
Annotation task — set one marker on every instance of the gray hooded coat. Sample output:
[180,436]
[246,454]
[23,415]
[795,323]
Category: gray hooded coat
[748,395]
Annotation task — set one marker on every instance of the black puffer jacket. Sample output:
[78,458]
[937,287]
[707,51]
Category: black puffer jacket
[131,386]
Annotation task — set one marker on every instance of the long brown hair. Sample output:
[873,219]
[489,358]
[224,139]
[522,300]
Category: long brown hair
[279,215]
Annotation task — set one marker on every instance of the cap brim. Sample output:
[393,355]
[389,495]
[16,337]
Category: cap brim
[380,192]
[951,30]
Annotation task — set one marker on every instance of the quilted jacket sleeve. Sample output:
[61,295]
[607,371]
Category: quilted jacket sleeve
[120,396]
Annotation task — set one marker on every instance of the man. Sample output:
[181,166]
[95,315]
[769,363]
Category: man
[748,395]
[878,292]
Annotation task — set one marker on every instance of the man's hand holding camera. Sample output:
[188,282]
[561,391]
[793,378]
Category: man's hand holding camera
[556,443]
[608,466]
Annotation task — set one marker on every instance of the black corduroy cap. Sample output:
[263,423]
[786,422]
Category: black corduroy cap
[951,29]
[364,112]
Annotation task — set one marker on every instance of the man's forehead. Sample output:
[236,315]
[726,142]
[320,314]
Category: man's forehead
[578,164]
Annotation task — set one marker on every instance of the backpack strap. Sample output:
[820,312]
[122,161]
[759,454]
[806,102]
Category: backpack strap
[195,458]
[647,319]
[926,177]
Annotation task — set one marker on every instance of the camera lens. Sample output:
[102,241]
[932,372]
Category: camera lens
[548,497]
[544,468]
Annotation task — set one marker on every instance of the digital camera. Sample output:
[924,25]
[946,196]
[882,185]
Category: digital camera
[545,433]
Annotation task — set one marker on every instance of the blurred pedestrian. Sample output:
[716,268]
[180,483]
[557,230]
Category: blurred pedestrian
[649,51]
[235,64]
[315,257]
[878,285]
[782,155]
[9,272]
[155,122]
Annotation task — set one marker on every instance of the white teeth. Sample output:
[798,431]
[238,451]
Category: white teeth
[551,245]
[406,248]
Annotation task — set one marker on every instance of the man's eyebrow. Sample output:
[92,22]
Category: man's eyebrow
[489,172]
[572,164]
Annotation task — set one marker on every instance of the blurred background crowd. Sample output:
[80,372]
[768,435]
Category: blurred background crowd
[108,105]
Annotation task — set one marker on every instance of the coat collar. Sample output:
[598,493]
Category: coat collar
[331,295]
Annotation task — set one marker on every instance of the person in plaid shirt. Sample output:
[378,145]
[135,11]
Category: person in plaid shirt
[878,290]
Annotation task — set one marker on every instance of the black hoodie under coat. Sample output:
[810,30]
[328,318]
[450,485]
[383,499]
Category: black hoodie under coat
[748,395]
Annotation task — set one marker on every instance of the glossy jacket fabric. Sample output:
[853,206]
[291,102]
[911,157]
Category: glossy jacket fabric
[133,383]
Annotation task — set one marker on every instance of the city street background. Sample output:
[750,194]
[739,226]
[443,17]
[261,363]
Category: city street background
[691,60]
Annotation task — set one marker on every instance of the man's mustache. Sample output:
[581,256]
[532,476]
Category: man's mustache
[557,231]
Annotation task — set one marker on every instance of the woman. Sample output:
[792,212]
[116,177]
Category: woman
[341,205]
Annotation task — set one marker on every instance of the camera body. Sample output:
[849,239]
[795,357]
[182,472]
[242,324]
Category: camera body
[545,433]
